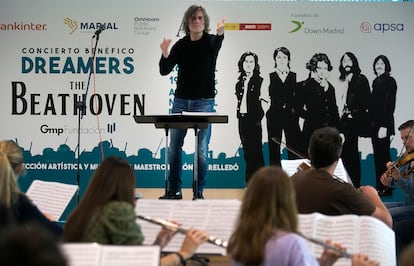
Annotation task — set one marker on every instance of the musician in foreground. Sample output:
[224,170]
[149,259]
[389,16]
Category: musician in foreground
[401,174]
[266,232]
[106,214]
[317,189]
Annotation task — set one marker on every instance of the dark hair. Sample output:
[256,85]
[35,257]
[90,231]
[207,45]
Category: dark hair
[318,57]
[325,147]
[114,180]
[406,124]
[190,13]
[283,50]
[30,245]
[256,70]
[355,65]
[386,63]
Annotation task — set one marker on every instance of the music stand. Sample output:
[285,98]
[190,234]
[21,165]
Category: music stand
[191,120]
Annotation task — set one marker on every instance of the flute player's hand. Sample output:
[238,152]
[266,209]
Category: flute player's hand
[329,256]
[164,237]
[363,260]
[193,239]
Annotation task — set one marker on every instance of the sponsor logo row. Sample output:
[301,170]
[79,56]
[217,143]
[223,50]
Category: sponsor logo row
[144,26]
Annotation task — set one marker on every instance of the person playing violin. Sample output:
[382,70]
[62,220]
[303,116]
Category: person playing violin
[400,173]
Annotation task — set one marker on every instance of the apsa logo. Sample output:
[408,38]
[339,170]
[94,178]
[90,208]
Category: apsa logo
[298,25]
[366,27]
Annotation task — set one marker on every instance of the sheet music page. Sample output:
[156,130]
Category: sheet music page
[82,254]
[359,234]
[51,197]
[378,240]
[112,255]
[308,224]
[198,113]
[341,172]
[93,254]
[291,167]
[217,217]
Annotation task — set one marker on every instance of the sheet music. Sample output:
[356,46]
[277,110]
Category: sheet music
[217,217]
[198,113]
[359,234]
[51,197]
[291,167]
[93,254]
[82,254]
[130,255]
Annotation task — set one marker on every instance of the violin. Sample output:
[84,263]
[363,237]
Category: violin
[304,166]
[403,160]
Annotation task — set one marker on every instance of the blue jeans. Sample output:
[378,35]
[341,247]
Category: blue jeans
[177,136]
[400,212]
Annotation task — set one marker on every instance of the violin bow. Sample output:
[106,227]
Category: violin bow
[297,153]
[292,150]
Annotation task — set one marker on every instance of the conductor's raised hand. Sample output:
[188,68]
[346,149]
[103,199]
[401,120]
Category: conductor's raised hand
[220,26]
[165,44]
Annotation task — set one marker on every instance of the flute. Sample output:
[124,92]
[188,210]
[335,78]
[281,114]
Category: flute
[173,227]
[341,252]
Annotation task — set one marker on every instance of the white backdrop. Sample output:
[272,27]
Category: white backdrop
[56,36]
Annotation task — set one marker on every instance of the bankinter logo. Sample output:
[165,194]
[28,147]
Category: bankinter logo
[298,25]
[72,24]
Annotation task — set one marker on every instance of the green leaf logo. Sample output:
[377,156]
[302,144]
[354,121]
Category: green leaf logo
[298,25]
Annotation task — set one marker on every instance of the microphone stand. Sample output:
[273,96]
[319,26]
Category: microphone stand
[81,106]
[179,29]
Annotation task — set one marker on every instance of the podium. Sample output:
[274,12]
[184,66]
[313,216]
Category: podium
[183,120]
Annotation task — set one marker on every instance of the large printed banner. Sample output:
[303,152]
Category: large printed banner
[46,53]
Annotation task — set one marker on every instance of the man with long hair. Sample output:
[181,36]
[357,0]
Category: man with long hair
[317,102]
[382,107]
[250,112]
[195,55]
[355,121]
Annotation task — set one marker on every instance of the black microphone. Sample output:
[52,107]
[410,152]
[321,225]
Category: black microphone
[101,28]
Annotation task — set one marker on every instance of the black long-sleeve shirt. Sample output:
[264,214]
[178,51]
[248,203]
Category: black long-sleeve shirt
[384,90]
[25,212]
[196,62]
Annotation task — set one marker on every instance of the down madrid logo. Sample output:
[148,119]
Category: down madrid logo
[298,25]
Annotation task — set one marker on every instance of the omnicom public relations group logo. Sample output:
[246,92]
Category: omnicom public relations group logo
[382,27]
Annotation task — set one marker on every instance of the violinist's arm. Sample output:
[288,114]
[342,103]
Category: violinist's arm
[381,211]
